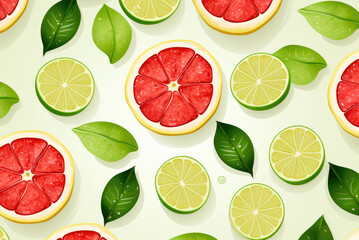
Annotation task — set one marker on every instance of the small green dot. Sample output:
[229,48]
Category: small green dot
[222,179]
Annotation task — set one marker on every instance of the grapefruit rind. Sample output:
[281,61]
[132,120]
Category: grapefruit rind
[332,95]
[249,27]
[354,235]
[55,208]
[198,122]
[9,21]
[82,227]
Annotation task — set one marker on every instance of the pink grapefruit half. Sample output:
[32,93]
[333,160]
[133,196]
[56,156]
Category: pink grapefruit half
[36,176]
[174,87]
[10,12]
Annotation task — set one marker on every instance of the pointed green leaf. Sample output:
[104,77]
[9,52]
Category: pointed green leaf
[343,184]
[111,33]
[120,195]
[332,19]
[234,147]
[8,97]
[194,236]
[107,141]
[303,63]
[319,231]
[60,24]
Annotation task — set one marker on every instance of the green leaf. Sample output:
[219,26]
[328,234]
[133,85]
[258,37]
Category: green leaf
[303,63]
[60,24]
[194,236]
[8,97]
[111,33]
[234,147]
[343,184]
[120,195]
[332,19]
[107,141]
[319,231]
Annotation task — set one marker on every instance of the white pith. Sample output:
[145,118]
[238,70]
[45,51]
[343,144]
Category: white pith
[354,235]
[11,19]
[69,173]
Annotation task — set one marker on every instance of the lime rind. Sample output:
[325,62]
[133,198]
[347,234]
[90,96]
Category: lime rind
[147,21]
[275,102]
[51,108]
[167,205]
[308,178]
[281,220]
[3,235]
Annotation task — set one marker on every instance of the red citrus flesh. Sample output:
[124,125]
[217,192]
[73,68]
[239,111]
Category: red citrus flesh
[31,175]
[83,235]
[174,86]
[7,7]
[348,93]
[237,11]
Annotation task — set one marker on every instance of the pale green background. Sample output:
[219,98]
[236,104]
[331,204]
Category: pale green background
[21,57]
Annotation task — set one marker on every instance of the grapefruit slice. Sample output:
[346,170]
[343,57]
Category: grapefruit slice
[10,12]
[83,231]
[174,87]
[237,16]
[343,94]
[36,176]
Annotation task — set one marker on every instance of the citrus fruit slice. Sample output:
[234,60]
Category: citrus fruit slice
[65,86]
[237,16]
[343,94]
[260,81]
[183,185]
[256,211]
[10,12]
[37,176]
[3,235]
[174,87]
[149,11]
[83,231]
[354,235]
[297,155]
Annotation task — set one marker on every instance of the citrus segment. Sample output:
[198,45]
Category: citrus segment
[10,12]
[174,88]
[43,180]
[182,184]
[260,81]
[256,211]
[3,235]
[297,155]
[65,86]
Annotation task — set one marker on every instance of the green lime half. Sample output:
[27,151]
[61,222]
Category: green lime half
[256,211]
[182,184]
[149,11]
[65,86]
[260,81]
[297,155]
[3,235]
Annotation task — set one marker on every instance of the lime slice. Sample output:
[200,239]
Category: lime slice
[297,155]
[260,81]
[149,11]
[65,86]
[183,185]
[256,211]
[3,235]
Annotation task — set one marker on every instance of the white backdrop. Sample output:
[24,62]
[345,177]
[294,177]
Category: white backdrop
[21,57]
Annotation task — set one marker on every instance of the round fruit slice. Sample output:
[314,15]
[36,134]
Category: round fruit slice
[65,86]
[297,155]
[149,11]
[183,185]
[10,12]
[3,235]
[83,231]
[343,94]
[354,235]
[256,211]
[260,81]
[237,16]
[37,176]
[174,87]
